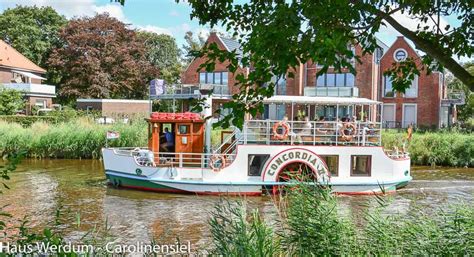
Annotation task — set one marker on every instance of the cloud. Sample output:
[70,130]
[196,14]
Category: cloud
[78,8]
[155,29]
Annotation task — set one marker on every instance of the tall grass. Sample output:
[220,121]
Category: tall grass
[81,138]
[436,148]
[310,225]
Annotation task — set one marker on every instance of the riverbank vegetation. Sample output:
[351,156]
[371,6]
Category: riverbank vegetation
[310,223]
[82,137]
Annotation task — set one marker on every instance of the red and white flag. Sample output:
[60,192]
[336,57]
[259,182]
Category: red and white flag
[113,134]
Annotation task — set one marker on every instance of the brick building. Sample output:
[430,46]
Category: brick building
[19,73]
[426,103]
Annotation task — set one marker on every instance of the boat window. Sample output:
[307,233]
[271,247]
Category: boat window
[361,165]
[332,161]
[183,129]
[256,162]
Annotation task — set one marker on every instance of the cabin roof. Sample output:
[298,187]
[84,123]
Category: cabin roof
[287,99]
[173,117]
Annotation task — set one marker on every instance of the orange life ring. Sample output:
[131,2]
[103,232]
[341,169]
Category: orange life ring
[346,126]
[285,127]
[214,160]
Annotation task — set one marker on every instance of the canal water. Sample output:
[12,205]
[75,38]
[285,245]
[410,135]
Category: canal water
[77,187]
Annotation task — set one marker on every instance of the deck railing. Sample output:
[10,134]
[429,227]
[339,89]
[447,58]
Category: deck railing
[317,133]
[144,157]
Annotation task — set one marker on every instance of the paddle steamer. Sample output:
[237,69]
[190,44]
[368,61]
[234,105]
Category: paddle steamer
[344,154]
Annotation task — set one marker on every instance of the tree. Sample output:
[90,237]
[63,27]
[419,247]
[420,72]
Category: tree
[163,52]
[33,31]
[192,45]
[466,111]
[11,101]
[278,35]
[101,58]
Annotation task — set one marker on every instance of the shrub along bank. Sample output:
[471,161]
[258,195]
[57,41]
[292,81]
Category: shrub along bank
[82,138]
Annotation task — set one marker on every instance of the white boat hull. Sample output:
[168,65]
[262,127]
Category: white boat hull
[387,174]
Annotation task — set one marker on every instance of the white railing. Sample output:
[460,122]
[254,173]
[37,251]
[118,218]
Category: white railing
[190,90]
[327,132]
[332,91]
[32,88]
[145,157]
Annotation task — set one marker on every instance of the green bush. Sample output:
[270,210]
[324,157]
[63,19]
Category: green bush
[435,148]
[27,121]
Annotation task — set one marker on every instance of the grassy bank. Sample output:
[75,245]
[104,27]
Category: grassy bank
[82,138]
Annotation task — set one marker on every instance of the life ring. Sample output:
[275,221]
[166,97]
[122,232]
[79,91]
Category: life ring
[285,127]
[214,162]
[347,126]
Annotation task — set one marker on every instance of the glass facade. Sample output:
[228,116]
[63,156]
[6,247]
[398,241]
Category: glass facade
[219,78]
[335,80]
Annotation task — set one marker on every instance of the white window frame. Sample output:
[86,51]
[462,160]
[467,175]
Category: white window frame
[403,114]
[395,53]
[394,111]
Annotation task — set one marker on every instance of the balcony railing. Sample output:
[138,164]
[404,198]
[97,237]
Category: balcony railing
[186,91]
[332,91]
[31,88]
[455,97]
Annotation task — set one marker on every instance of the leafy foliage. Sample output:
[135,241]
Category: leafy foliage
[163,52]
[101,58]
[11,101]
[32,30]
[302,31]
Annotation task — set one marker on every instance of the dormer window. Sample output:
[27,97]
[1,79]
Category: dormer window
[400,55]
[219,78]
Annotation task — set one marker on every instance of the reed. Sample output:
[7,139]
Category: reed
[81,138]
[311,224]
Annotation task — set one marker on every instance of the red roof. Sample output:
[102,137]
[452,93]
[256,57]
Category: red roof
[169,116]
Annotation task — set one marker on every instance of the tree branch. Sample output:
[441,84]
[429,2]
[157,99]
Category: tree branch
[433,50]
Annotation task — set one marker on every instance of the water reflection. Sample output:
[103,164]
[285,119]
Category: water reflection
[40,187]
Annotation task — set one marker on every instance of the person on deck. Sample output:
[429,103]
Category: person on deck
[169,140]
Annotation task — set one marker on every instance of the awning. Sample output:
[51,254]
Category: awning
[28,74]
[287,99]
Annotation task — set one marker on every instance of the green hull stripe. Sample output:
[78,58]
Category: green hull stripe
[123,181]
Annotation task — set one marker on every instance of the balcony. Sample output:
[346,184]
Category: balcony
[186,91]
[31,89]
[332,91]
[454,98]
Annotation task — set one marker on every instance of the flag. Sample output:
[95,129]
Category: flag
[113,135]
[157,87]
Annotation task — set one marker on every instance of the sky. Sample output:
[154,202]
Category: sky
[169,17]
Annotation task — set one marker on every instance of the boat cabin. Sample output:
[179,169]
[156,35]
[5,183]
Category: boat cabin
[175,133]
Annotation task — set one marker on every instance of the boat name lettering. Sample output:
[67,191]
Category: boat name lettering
[292,156]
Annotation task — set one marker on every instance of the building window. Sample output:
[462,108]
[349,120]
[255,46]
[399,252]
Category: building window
[183,129]
[335,80]
[280,86]
[400,55]
[219,78]
[256,162]
[332,162]
[388,89]
[361,165]
[40,103]
[412,91]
